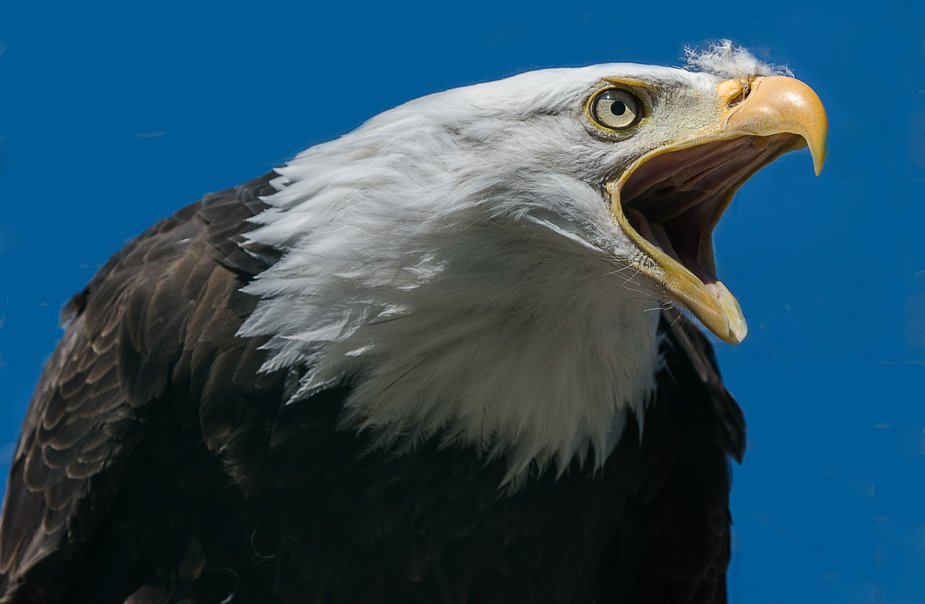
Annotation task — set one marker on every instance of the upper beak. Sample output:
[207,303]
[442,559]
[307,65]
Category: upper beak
[765,107]
[779,105]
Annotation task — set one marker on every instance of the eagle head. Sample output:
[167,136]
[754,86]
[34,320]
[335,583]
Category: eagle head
[481,263]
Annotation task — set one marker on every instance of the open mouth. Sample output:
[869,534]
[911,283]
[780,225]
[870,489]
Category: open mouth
[676,199]
[669,203]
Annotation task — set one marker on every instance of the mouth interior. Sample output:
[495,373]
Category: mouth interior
[675,199]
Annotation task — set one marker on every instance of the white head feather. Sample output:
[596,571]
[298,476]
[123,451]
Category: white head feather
[456,259]
[729,61]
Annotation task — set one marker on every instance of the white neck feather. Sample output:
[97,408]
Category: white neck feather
[470,304]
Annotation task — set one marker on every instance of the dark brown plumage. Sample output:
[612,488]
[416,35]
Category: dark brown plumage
[157,465]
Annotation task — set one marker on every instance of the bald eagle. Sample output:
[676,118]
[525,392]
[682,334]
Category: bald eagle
[439,359]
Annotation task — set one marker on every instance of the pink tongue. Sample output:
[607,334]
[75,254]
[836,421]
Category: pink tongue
[706,277]
[656,235]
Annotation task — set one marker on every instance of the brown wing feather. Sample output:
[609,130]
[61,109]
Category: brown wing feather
[128,334]
[684,515]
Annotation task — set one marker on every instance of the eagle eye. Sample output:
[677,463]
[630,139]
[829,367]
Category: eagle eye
[616,109]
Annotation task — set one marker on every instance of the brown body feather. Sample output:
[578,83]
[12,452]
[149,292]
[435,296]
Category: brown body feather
[156,464]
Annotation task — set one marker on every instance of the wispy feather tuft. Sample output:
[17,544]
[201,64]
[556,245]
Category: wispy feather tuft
[727,60]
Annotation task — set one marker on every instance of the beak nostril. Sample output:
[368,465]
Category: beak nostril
[745,89]
[730,103]
[733,92]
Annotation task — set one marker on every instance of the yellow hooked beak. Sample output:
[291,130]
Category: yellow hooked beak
[762,119]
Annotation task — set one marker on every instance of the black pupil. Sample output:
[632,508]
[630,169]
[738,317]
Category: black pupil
[618,108]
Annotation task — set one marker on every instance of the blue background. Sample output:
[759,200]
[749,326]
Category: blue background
[112,116]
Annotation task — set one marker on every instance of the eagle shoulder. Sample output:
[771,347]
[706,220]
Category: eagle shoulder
[161,313]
